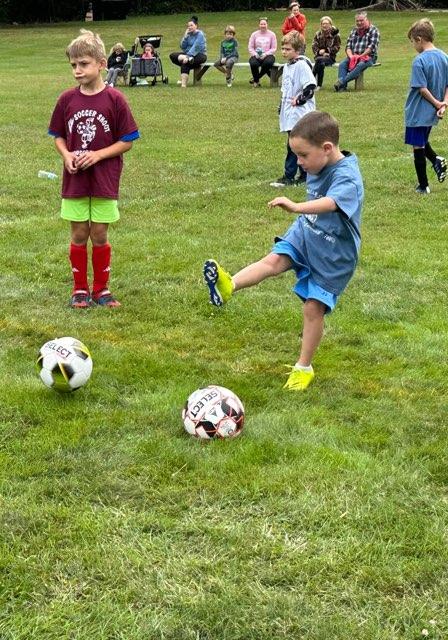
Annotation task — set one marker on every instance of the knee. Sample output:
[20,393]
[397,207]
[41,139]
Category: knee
[98,236]
[276,263]
[314,310]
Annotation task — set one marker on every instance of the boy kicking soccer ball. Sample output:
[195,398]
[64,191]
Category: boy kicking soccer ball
[322,245]
[92,126]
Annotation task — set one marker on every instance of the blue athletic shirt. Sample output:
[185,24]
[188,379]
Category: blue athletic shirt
[330,242]
[429,71]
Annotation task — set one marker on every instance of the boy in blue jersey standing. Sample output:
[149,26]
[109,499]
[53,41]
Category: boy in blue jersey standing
[426,102]
[322,245]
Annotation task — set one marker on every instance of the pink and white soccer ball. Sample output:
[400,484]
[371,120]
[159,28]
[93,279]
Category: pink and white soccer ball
[213,412]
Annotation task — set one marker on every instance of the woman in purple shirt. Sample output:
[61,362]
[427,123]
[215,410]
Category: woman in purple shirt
[262,46]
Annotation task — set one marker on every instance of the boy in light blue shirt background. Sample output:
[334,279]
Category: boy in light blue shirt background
[426,102]
[321,246]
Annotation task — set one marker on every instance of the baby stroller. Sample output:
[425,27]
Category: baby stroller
[145,72]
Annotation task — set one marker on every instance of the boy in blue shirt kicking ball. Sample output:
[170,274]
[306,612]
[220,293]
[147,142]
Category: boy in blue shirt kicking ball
[322,245]
[426,102]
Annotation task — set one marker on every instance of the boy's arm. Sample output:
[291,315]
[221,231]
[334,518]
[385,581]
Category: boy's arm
[67,156]
[89,158]
[427,95]
[313,207]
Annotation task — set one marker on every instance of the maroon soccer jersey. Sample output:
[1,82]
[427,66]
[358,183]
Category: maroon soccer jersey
[89,123]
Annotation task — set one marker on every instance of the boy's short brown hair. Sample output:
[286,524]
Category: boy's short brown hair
[295,39]
[86,44]
[316,128]
[423,29]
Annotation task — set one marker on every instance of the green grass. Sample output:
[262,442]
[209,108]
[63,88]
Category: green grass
[327,519]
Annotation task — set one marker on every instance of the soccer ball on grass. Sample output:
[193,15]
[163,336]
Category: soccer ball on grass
[65,364]
[213,412]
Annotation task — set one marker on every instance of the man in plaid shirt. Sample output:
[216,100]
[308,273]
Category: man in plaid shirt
[361,50]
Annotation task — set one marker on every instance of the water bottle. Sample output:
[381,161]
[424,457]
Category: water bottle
[47,174]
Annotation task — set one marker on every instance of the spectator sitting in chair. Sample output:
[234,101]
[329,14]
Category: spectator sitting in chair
[116,61]
[361,50]
[194,51]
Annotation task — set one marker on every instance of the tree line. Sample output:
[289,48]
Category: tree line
[66,10]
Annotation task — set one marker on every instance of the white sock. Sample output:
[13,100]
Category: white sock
[308,369]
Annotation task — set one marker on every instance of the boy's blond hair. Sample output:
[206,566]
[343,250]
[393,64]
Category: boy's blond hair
[316,128]
[296,40]
[230,28]
[86,44]
[423,29]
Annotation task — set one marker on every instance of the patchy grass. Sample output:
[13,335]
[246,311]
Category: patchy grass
[327,518]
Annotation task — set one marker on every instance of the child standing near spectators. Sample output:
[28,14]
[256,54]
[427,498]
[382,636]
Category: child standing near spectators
[298,86]
[228,54]
[321,246]
[92,127]
[427,101]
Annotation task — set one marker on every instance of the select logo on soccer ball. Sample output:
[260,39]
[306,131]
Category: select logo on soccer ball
[58,348]
[213,412]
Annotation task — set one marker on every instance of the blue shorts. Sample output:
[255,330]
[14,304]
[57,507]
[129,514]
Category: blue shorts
[306,288]
[417,136]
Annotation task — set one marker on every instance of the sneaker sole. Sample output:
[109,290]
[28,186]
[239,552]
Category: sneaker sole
[211,278]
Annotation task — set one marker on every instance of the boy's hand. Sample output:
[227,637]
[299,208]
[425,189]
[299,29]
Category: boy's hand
[441,111]
[284,203]
[87,159]
[70,163]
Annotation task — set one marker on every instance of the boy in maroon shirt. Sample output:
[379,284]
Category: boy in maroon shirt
[93,126]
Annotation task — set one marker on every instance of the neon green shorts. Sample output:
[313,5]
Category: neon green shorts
[88,209]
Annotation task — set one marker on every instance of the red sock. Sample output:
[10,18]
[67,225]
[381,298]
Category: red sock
[101,267]
[78,260]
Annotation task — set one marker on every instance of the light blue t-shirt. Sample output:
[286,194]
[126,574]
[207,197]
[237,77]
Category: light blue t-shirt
[430,71]
[330,242]
[194,43]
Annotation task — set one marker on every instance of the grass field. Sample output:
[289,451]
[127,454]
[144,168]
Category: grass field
[327,519]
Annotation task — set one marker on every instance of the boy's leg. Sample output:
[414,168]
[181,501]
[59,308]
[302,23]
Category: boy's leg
[218,65]
[78,259]
[313,326]
[420,169]
[438,162]
[221,284]
[290,162]
[103,212]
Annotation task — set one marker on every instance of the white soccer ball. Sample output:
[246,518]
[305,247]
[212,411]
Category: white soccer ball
[65,364]
[213,412]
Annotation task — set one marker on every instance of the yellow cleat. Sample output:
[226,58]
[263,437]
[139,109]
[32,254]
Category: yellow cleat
[299,380]
[219,283]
